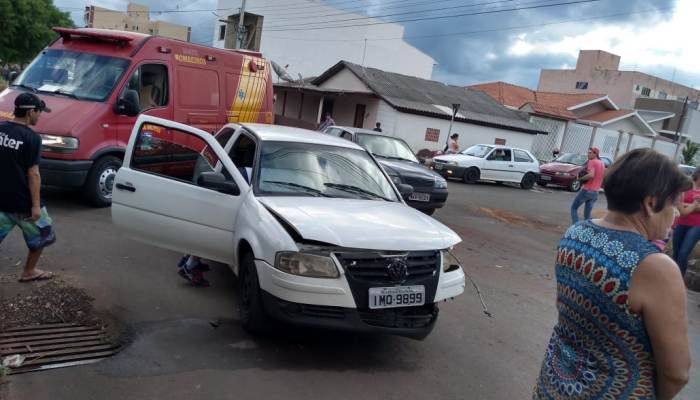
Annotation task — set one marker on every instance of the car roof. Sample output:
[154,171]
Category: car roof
[279,133]
[360,130]
[498,146]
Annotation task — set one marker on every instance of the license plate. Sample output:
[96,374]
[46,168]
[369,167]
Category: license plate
[545,178]
[437,166]
[416,196]
[396,296]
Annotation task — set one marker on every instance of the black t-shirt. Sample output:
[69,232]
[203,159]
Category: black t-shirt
[20,149]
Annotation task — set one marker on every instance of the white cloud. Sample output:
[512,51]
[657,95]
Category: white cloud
[658,42]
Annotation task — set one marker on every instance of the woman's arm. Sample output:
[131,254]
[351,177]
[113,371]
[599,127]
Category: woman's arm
[657,292]
[689,208]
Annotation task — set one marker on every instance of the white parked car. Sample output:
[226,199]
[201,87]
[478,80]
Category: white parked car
[319,236]
[490,162]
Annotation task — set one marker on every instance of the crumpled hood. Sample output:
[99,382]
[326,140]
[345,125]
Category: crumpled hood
[560,167]
[65,112]
[362,224]
[408,168]
[456,157]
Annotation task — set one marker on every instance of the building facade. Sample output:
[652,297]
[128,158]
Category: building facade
[598,71]
[308,52]
[135,19]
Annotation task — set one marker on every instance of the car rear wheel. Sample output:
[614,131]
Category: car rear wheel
[100,181]
[254,319]
[528,181]
[575,185]
[471,175]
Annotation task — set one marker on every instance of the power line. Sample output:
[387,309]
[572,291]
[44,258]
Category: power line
[436,17]
[391,4]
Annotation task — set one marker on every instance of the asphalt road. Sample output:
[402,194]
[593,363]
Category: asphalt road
[175,353]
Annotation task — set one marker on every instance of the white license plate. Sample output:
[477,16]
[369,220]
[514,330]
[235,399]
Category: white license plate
[545,178]
[437,166]
[416,196]
[396,296]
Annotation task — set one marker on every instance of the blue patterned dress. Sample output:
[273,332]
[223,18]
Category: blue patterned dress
[599,350]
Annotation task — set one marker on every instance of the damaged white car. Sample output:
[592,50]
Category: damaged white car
[312,225]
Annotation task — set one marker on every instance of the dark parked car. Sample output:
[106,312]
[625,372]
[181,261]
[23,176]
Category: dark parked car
[399,161]
[564,170]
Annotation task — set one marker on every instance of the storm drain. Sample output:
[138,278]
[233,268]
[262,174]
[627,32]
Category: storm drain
[50,346]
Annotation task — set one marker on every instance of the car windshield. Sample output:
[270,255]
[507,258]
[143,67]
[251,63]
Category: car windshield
[83,76]
[303,169]
[387,147]
[477,151]
[572,158]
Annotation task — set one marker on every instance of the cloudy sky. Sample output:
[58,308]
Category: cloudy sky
[651,35]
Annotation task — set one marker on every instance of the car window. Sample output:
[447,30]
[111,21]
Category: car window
[346,135]
[521,156]
[173,154]
[334,131]
[384,146]
[500,154]
[477,151]
[572,158]
[304,169]
[242,154]
[224,135]
[150,81]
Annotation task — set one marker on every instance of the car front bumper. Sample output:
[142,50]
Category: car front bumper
[559,180]
[449,171]
[438,197]
[64,173]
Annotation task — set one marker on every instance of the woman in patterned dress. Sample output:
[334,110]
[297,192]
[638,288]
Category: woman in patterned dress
[622,329]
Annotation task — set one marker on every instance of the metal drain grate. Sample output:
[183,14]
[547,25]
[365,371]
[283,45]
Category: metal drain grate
[55,346]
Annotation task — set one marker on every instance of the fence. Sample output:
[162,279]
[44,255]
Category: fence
[543,145]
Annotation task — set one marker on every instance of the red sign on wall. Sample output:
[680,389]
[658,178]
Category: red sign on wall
[432,135]
[500,141]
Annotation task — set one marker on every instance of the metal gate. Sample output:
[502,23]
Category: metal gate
[577,139]
[543,145]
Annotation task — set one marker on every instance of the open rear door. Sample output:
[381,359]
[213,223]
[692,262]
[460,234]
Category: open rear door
[170,193]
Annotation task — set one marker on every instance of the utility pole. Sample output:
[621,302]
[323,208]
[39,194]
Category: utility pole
[679,126]
[455,109]
[364,52]
[239,30]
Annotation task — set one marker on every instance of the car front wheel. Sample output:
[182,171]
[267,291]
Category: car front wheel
[575,185]
[471,175]
[528,181]
[254,319]
[98,186]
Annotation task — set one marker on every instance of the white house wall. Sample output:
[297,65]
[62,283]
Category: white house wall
[387,116]
[412,129]
[310,52]
[346,80]
[344,110]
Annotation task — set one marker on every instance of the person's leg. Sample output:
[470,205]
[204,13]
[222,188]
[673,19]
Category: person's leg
[578,200]
[691,238]
[37,235]
[678,235]
[591,198]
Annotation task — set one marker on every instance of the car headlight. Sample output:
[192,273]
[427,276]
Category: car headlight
[562,174]
[452,163]
[59,144]
[306,264]
[449,262]
[440,184]
[396,179]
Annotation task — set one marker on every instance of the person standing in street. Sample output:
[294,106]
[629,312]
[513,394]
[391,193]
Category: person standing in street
[622,327]
[452,144]
[20,183]
[595,171]
[687,232]
[377,127]
[328,121]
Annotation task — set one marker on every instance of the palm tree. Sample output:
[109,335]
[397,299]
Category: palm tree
[689,152]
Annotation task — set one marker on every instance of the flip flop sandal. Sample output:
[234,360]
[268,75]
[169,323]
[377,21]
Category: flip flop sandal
[38,277]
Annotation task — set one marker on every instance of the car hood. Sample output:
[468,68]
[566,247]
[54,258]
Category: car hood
[456,157]
[361,224]
[409,168]
[560,167]
[65,112]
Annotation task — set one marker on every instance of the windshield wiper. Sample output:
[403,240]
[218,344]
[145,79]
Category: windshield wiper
[355,189]
[393,157]
[22,85]
[64,93]
[297,186]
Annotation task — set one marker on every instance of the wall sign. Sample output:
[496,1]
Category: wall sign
[500,141]
[432,135]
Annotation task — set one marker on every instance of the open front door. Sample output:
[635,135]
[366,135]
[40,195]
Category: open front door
[170,193]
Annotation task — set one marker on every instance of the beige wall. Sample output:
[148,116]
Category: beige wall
[597,59]
[345,80]
[135,19]
[162,28]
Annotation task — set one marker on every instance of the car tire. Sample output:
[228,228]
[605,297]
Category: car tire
[427,211]
[528,181]
[574,186]
[471,175]
[98,186]
[542,183]
[254,318]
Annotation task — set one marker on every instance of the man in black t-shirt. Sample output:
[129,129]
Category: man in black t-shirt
[20,183]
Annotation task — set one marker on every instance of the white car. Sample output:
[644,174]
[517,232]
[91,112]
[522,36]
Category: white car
[320,236]
[490,162]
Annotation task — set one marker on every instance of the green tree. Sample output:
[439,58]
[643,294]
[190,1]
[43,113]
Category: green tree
[26,27]
[689,152]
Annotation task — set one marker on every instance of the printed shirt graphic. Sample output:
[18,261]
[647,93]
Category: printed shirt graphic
[20,149]
[599,349]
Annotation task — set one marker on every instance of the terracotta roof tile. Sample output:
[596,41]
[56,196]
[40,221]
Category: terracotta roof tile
[607,115]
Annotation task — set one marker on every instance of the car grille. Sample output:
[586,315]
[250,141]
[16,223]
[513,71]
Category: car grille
[372,266]
[418,182]
[407,317]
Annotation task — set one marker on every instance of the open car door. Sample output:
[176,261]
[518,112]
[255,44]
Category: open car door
[178,189]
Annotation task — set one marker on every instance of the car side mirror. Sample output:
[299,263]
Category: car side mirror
[13,75]
[128,104]
[217,181]
[404,189]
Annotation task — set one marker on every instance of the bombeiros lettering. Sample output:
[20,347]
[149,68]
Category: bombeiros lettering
[6,141]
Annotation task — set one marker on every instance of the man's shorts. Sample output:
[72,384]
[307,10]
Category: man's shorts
[37,234]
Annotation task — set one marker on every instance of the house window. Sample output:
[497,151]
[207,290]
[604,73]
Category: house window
[646,91]
[222,32]
[637,88]
[661,95]
[582,85]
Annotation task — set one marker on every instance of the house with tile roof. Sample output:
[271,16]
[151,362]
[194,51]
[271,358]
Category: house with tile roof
[577,121]
[415,109]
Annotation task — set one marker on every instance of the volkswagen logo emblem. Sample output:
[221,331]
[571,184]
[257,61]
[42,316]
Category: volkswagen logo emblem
[397,269]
